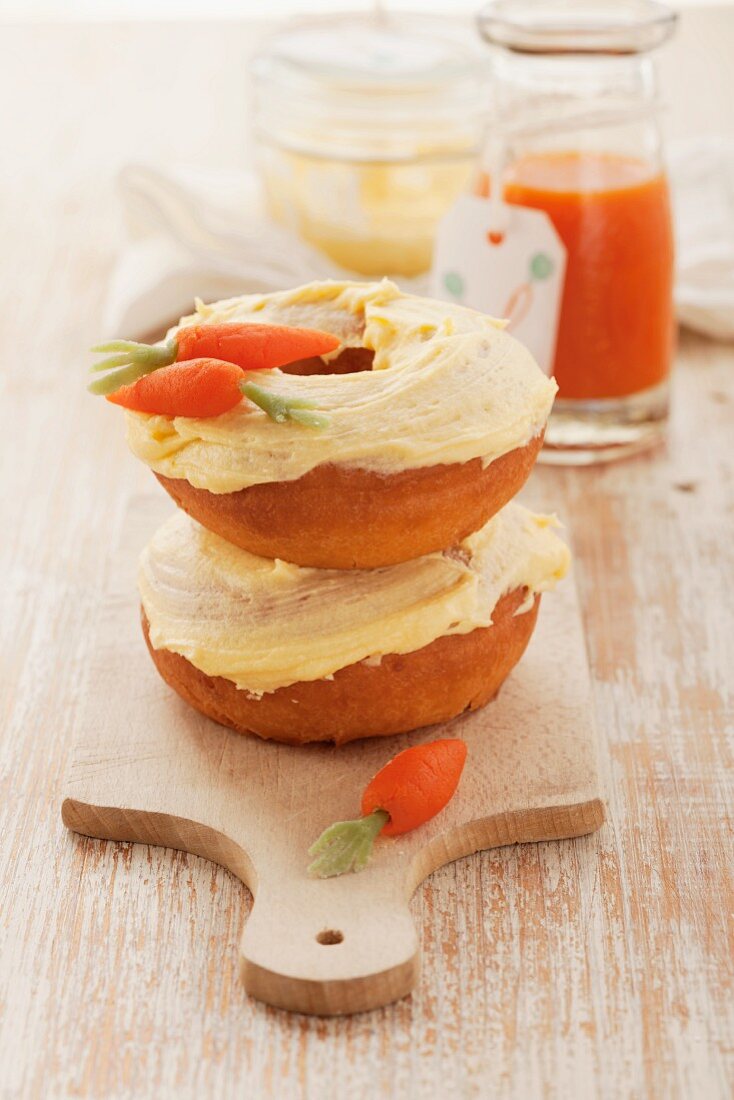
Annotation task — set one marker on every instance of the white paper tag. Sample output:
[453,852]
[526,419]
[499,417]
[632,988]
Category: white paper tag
[519,278]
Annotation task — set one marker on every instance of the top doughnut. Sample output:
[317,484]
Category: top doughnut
[434,417]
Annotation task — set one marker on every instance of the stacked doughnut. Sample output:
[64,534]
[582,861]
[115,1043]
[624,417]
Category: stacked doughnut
[368,576]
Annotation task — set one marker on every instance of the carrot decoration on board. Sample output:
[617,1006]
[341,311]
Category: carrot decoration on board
[411,789]
[249,346]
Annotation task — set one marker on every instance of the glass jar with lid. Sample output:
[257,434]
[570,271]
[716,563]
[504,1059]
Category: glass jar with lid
[577,116]
[367,129]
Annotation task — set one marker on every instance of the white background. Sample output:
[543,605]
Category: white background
[32,10]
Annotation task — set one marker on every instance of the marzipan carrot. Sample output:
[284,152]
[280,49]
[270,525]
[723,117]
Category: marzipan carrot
[411,789]
[250,346]
[200,388]
[416,784]
[194,388]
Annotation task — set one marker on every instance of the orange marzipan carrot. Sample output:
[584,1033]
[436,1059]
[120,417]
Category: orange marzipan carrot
[416,784]
[253,346]
[411,789]
[193,388]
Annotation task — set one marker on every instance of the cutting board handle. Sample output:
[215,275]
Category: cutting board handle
[329,947]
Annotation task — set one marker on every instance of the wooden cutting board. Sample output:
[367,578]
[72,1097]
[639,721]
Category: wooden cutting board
[145,767]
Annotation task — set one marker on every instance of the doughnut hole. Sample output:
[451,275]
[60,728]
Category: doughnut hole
[348,361]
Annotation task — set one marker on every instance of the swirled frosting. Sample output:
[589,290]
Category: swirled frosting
[265,624]
[447,385]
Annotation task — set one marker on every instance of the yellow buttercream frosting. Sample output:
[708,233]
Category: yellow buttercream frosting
[265,624]
[447,385]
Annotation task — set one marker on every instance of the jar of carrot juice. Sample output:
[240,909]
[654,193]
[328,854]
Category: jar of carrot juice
[577,118]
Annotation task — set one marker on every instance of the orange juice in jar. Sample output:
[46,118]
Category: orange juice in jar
[577,107]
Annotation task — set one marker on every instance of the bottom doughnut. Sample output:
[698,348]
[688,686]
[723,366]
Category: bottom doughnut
[454,673]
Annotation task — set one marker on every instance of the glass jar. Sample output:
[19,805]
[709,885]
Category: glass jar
[367,129]
[578,122]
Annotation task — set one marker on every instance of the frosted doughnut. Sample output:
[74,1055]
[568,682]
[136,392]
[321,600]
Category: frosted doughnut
[435,417]
[300,654]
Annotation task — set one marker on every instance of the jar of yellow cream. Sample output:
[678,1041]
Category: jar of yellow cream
[367,130]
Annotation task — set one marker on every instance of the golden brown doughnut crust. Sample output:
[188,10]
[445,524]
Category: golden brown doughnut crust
[456,672]
[340,517]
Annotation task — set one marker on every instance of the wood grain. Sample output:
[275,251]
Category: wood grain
[146,766]
[599,967]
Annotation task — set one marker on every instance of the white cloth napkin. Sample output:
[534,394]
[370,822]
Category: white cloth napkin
[205,234]
[702,177]
[201,234]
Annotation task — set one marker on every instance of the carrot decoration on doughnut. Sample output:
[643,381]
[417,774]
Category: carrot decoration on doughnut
[200,388]
[281,409]
[249,346]
[195,388]
[411,789]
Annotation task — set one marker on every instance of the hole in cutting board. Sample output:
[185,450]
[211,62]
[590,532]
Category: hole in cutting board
[329,936]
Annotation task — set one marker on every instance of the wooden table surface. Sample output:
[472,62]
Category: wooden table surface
[598,967]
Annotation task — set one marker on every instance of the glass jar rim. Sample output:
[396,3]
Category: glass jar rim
[394,53]
[569,27]
[372,87]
